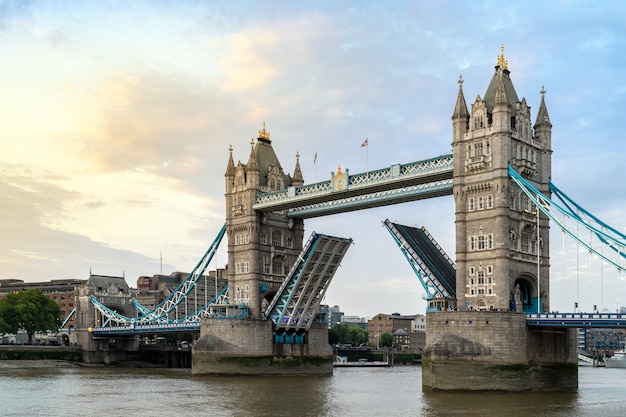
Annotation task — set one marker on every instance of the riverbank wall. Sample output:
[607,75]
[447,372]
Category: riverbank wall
[30,352]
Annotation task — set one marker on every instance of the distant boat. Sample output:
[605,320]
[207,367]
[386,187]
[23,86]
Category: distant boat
[618,360]
[588,361]
[342,362]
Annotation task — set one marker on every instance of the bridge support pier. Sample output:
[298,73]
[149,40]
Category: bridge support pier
[107,350]
[496,351]
[246,347]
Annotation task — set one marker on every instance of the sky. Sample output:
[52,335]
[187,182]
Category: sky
[116,119]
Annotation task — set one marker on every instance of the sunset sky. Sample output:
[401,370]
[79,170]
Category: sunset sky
[116,119]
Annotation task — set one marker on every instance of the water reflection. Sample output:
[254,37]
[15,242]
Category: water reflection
[499,404]
[349,392]
[271,396]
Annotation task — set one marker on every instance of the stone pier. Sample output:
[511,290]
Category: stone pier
[246,347]
[496,351]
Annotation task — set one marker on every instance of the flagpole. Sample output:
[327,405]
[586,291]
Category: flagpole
[366,144]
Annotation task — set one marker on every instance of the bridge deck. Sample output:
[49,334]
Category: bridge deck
[592,320]
[429,261]
[298,299]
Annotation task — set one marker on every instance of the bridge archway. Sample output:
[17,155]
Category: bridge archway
[524,293]
[267,299]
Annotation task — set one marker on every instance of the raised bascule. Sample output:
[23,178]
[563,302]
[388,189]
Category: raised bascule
[487,321]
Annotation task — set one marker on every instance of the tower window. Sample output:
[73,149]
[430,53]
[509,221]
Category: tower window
[478,149]
[277,238]
[277,266]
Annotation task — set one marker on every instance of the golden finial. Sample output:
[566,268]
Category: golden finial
[501,62]
[264,134]
[338,169]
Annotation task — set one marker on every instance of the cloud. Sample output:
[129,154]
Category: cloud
[31,250]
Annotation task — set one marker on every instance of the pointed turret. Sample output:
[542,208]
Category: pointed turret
[460,117]
[230,171]
[543,119]
[230,167]
[297,179]
[252,168]
[543,133]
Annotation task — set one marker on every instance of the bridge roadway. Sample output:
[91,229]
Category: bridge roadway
[397,184]
[589,320]
[577,320]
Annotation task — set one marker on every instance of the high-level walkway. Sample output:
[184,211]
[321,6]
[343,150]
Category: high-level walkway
[396,184]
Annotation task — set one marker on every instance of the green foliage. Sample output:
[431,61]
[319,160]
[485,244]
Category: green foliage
[386,339]
[4,327]
[30,310]
[353,335]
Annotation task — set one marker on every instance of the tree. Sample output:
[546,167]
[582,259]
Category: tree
[357,335]
[342,332]
[333,339]
[353,335]
[30,310]
[386,339]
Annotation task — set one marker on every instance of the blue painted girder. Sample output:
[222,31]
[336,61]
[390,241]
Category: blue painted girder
[298,300]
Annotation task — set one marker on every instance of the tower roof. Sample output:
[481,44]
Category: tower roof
[502,75]
[266,157]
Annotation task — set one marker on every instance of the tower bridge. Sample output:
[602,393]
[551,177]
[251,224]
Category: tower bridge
[493,300]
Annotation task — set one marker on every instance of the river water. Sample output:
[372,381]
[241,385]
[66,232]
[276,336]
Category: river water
[135,392]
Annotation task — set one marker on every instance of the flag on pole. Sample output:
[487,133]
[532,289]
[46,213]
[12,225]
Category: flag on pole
[315,158]
[364,144]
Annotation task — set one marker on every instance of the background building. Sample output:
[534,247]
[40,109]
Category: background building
[409,331]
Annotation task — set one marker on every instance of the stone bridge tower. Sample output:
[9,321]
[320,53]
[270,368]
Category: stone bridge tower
[262,247]
[502,245]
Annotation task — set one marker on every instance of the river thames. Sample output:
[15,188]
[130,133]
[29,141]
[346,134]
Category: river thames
[85,391]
